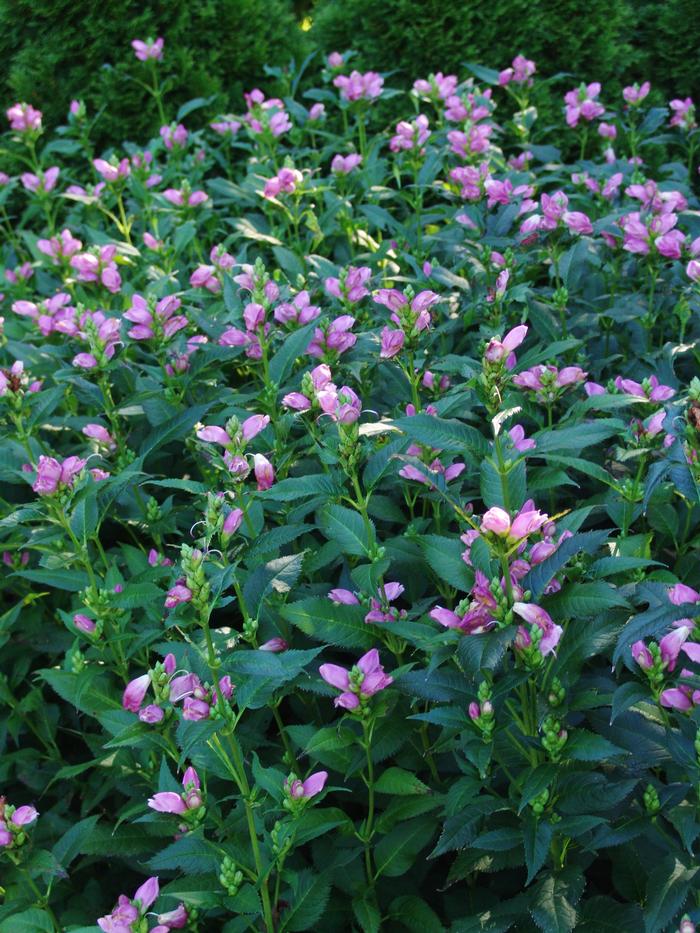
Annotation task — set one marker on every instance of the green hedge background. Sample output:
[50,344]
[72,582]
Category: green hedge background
[54,50]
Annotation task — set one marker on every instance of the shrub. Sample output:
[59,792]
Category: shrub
[52,51]
[420,36]
[349,517]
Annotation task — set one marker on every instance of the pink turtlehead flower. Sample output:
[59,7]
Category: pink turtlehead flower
[176,595]
[149,50]
[365,679]
[222,259]
[535,615]
[692,270]
[471,180]
[473,141]
[20,273]
[546,381]
[518,439]
[679,593]
[206,277]
[342,405]
[286,181]
[24,118]
[438,86]
[380,610]
[498,350]
[151,321]
[226,126]
[642,655]
[683,113]
[172,802]
[317,112]
[42,183]
[410,135]
[111,172]
[297,311]
[343,597]
[98,266]
[61,247]
[297,401]
[275,645]
[54,314]
[100,434]
[84,623]
[683,699]
[392,342]
[358,86]
[635,94]
[307,789]
[264,472]
[152,242]
[343,165]
[581,103]
[337,338]
[174,136]
[183,197]
[172,920]
[51,474]
[650,390]
[128,912]
[521,72]
[232,522]
[351,285]
[135,691]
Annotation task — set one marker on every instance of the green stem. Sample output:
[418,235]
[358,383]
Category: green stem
[369,824]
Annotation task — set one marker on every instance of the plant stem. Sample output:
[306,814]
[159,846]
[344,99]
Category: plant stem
[369,823]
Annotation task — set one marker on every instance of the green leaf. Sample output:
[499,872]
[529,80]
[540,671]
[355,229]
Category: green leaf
[583,600]
[184,234]
[626,696]
[537,837]
[539,576]
[294,346]
[668,888]
[278,576]
[443,434]
[322,620]
[71,842]
[587,746]
[574,439]
[174,430]
[33,920]
[487,75]
[551,909]
[348,529]
[190,854]
[537,780]
[83,521]
[491,484]
[258,674]
[310,893]
[444,557]
[71,580]
[298,487]
[652,623]
[400,782]
[86,691]
[367,914]
[396,853]
[413,913]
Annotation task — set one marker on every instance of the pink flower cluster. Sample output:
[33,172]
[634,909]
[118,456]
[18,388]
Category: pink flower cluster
[358,684]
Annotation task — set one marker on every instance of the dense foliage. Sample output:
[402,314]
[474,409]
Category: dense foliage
[349,513]
[51,49]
